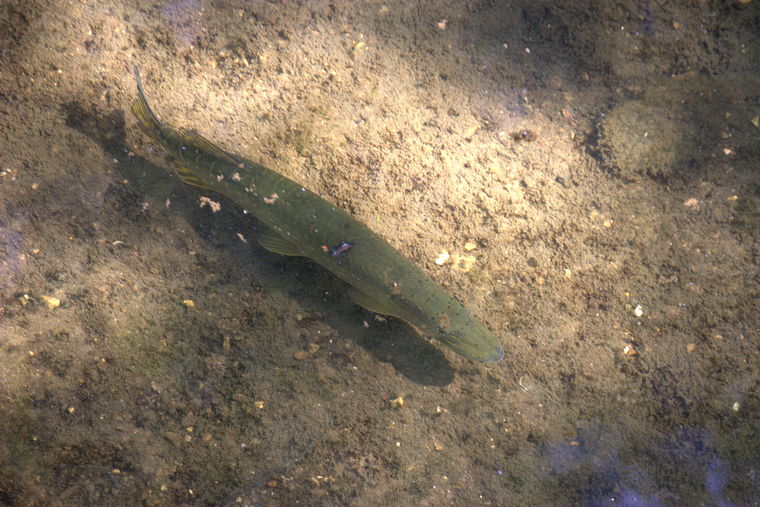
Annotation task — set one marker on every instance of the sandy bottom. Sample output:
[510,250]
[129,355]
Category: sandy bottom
[590,169]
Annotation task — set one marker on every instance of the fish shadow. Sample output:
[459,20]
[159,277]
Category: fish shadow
[388,340]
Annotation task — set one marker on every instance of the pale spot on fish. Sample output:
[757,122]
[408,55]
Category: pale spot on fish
[213,205]
[444,321]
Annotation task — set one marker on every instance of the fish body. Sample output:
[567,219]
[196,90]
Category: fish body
[302,223]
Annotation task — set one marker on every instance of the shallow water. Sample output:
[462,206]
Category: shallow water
[590,170]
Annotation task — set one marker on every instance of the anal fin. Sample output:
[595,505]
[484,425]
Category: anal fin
[277,244]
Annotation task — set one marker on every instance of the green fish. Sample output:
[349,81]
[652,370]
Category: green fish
[302,223]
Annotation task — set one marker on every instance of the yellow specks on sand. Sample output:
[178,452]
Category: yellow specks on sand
[470,131]
[259,405]
[442,258]
[52,302]
[690,347]
[188,303]
[470,246]
[463,263]
[397,402]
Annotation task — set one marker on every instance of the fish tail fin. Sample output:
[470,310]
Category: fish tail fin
[147,120]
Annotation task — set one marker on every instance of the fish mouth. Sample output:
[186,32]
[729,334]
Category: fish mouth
[486,350]
[498,356]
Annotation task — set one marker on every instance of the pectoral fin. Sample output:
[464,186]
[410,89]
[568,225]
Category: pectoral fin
[191,178]
[194,140]
[277,244]
[369,303]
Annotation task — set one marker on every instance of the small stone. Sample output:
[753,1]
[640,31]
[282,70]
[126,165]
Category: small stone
[188,303]
[690,347]
[300,355]
[397,402]
[442,258]
[470,246]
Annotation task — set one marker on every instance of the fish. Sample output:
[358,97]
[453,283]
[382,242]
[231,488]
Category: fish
[301,223]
